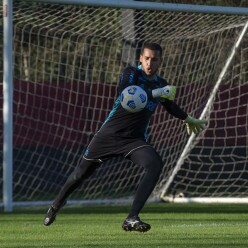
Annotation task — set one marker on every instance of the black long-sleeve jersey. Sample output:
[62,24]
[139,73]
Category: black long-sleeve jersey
[122,123]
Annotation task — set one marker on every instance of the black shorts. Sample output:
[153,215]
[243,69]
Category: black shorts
[103,147]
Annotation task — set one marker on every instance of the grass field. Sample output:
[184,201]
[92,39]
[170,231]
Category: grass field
[173,225]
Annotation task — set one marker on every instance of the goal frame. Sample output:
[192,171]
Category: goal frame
[188,147]
[8,76]
[7,105]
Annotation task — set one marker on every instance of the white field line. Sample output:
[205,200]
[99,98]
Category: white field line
[208,225]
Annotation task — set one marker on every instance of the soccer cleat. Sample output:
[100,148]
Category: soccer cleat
[135,224]
[50,216]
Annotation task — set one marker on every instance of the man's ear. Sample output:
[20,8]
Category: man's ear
[140,58]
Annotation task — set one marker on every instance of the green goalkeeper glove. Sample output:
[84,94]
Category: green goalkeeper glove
[194,125]
[167,92]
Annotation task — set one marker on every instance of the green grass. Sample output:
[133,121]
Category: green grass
[173,225]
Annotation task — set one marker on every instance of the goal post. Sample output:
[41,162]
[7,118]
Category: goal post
[7,107]
[67,57]
[189,146]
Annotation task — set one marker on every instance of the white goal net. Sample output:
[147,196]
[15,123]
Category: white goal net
[67,61]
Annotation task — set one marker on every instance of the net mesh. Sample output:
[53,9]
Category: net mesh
[67,61]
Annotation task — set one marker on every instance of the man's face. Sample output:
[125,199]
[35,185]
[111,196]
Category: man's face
[151,61]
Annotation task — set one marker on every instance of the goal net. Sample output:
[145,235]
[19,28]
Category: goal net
[67,61]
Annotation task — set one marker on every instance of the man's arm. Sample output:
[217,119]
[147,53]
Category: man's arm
[193,125]
[128,77]
[174,109]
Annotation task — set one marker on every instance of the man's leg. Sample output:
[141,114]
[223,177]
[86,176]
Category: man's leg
[151,161]
[82,171]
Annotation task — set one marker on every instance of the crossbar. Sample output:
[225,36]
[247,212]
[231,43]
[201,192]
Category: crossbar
[155,6]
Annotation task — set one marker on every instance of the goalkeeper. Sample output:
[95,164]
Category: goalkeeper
[125,134]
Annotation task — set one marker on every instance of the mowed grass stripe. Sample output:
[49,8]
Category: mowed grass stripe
[173,225]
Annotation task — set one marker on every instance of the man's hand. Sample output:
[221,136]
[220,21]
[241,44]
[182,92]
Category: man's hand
[167,92]
[194,125]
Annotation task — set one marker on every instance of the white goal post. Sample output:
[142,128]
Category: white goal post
[67,57]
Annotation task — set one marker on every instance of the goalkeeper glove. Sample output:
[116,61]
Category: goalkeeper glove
[194,125]
[167,92]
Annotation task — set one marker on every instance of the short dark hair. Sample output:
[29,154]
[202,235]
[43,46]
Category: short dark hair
[152,46]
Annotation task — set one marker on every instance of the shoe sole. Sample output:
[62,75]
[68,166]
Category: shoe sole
[137,229]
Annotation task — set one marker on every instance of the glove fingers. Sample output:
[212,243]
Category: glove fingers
[198,128]
[195,129]
[195,125]
[203,121]
[188,129]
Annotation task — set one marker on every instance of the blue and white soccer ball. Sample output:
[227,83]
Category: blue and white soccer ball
[133,99]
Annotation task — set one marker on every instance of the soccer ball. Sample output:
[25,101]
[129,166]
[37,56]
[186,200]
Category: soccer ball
[133,99]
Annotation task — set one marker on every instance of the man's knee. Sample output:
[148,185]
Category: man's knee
[157,167]
[149,159]
[84,169]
